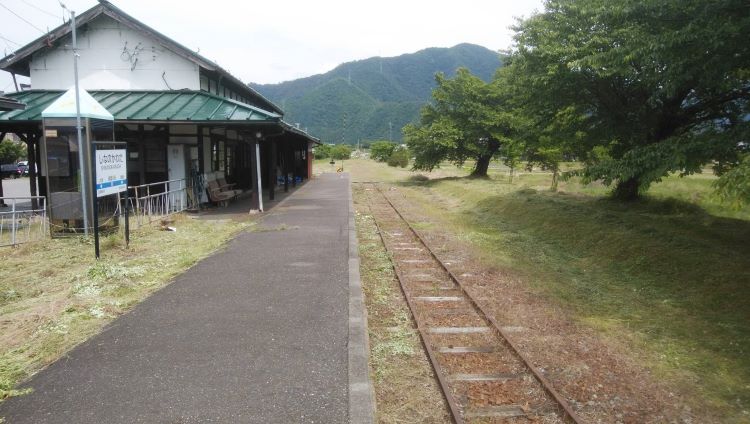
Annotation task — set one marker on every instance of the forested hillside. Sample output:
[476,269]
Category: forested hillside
[373,98]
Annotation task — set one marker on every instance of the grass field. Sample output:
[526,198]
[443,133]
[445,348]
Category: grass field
[668,276]
[54,295]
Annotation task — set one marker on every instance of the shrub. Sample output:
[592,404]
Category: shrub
[341,151]
[382,150]
[323,151]
[399,157]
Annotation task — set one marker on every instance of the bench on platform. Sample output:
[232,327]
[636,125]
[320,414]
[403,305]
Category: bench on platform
[218,190]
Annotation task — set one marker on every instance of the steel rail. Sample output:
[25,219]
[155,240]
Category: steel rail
[442,381]
[569,413]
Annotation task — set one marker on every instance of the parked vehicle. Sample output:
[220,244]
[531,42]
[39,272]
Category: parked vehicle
[11,170]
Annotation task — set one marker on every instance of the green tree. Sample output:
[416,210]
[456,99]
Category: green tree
[341,151]
[467,119]
[10,151]
[399,157]
[381,150]
[659,86]
[323,151]
[734,186]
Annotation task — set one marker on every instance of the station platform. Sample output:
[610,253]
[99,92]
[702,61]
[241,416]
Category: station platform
[259,332]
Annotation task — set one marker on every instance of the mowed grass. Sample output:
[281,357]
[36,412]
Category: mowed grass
[405,387]
[669,276]
[54,295]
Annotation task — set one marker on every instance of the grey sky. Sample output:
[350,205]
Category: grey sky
[269,42]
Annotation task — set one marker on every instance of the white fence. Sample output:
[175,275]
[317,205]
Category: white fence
[156,201]
[20,222]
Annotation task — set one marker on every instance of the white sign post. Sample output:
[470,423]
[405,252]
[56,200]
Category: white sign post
[110,177]
[111,172]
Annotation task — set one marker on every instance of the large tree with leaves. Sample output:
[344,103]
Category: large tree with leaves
[659,86]
[465,121]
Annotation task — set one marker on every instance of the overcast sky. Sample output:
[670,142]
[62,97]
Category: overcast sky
[274,41]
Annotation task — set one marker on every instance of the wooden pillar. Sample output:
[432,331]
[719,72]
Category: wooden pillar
[201,151]
[285,153]
[294,165]
[31,147]
[272,170]
[32,142]
[309,159]
[2,202]
[256,200]
[42,182]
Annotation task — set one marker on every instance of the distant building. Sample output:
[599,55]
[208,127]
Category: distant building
[180,113]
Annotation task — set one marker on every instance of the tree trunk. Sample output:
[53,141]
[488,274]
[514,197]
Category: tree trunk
[555,179]
[627,190]
[480,169]
[483,160]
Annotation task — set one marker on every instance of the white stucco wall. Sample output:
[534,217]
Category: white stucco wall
[107,62]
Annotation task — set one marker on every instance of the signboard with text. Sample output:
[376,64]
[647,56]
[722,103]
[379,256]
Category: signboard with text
[111,172]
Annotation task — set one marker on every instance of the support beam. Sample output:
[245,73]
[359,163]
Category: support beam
[201,165]
[31,147]
[2,202]
[294,165]
[286,167]
[272,177]
[309,160]
[41,180]
[256,200]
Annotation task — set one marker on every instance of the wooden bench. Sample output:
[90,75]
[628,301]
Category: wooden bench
[219,191]
[217,195]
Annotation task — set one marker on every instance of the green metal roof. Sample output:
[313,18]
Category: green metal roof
[10,104]
[173,106]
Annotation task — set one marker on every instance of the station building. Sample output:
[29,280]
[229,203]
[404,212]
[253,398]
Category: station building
[182,115]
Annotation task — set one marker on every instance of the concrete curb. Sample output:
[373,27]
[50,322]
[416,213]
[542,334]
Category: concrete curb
[361,392]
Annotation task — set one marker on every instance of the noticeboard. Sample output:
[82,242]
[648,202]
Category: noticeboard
[111,172]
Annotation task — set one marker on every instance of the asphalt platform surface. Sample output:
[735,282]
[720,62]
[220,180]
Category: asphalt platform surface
[256,333]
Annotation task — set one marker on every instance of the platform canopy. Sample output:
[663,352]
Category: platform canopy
[65,107]
[175,106]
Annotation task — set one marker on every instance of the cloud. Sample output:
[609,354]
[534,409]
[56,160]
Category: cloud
[288,39]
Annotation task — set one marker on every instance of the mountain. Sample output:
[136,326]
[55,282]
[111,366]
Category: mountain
[368,99]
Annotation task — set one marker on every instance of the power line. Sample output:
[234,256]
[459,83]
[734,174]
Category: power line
[9,40]
[21,18]
[40,9]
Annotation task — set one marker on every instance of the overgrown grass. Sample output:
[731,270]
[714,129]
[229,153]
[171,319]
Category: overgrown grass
[669,275]
[54,295]
[405,388]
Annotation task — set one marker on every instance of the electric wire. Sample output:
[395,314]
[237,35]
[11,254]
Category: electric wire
[40,9]
[9,40]
[7,44]
[23,19]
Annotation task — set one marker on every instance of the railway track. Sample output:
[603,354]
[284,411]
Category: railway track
[482,373]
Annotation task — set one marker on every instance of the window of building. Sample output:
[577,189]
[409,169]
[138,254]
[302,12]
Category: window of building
[218,158]
[229,160]
[204,83]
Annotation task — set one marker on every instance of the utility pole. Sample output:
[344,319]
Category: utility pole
[81,156]
[390,131]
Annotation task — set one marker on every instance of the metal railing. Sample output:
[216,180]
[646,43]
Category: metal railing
[20,222]
[156,201]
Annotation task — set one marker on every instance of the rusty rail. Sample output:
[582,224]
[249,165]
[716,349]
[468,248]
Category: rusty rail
[568,411]
[447,394]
